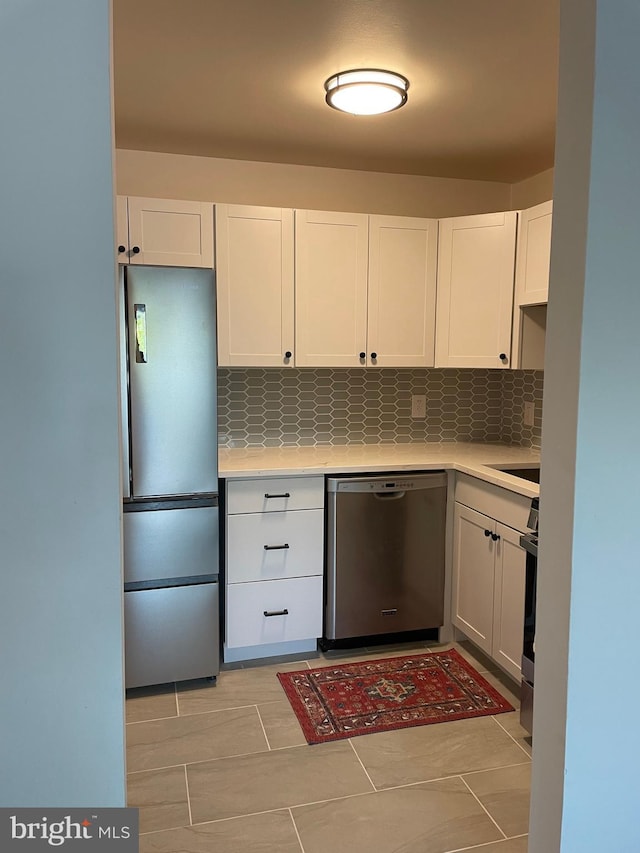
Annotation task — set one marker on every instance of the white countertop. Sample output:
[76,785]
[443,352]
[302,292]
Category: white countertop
[468,457]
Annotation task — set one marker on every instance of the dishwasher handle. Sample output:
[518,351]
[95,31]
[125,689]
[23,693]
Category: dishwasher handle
[388,496]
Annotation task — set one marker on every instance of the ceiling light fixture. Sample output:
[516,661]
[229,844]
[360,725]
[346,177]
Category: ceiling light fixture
[366,91]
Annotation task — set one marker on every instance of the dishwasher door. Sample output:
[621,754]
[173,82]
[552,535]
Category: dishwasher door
[385,554]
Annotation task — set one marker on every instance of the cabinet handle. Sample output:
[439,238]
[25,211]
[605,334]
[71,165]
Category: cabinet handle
[284,612]
[487,533]
[287,354]
[121,249]
[285,495]
[495,537]
[503,357]
[276,547]
[374,355]
[363,355]
[136,250]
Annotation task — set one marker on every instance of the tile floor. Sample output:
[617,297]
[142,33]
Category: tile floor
[225,768]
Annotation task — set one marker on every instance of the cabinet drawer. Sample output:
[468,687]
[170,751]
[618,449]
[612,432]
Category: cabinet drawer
[256,545]
[171,634]
[275,494]
[508,507]
[247,603]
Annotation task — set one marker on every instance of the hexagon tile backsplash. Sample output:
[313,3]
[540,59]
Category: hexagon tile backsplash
[271,407]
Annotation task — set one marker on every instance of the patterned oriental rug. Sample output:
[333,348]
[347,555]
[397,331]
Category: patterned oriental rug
[333,702]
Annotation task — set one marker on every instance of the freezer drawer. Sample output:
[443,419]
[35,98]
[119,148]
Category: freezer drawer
[171,634]
[170,543]
[274,545]
[274,611]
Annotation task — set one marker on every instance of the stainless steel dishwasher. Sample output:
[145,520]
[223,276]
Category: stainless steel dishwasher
[385,554]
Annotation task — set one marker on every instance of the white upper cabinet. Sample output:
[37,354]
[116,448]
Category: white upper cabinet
[331,289]
[365,290]
[165,232]
[122,230]
[255,285]
[476,258]
[532,287]
[402,291]
[534,249]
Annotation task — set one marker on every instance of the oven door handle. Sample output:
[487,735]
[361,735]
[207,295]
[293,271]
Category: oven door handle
[530,545]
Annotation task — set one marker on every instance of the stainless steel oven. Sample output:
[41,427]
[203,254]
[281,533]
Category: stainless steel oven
[529,541]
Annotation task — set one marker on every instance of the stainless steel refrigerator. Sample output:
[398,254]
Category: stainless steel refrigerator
[170,516]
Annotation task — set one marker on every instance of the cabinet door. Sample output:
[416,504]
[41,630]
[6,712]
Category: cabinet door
[331,288]
[534,249]
[473,575]
[476,257]
[402,291]
[508,608]
[170,233]
[254,273]
[122,230]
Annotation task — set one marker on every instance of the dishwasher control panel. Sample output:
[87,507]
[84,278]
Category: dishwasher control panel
[433,479]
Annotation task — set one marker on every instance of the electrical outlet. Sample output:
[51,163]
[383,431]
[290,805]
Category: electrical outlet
[418,406]
[529,411]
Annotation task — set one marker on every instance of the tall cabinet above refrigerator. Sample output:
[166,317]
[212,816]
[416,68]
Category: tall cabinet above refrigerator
[171,475]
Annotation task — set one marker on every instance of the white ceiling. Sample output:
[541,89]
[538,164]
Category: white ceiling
[243,79]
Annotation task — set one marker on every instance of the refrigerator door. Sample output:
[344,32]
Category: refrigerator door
[171,317]
[171,634]
[124,384]
[169,540]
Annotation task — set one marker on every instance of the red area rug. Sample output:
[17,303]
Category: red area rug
[342,701]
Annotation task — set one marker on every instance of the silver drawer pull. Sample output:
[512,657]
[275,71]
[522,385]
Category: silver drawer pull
[391,612]
[284,612]
[285,495]
[276,547]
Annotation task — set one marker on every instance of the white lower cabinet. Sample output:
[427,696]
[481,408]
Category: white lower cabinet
[508,602]
[274,545]
[489,578]
[473,576]
[273,566]
[264,613]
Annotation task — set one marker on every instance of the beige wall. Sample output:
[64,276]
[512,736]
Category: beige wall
[156,175]
[533,190]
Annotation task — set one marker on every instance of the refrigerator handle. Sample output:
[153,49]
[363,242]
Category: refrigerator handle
[140,312]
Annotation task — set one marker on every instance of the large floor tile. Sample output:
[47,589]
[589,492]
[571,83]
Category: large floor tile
[433,751]
[504,685]
[429,818]
[235,689]
[274,780]
[359,654]
[281,725]
[161,796]
[505,795]
[264,833]
[478,660]
[511,724]
[509,845]
[151,703]
[182,740]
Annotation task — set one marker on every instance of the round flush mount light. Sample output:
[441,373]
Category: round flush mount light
[366,91]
